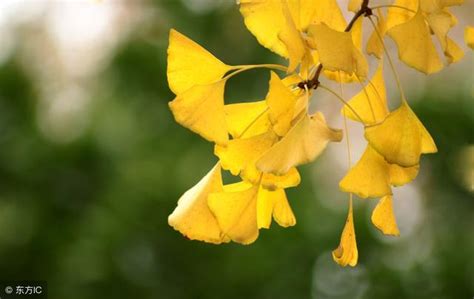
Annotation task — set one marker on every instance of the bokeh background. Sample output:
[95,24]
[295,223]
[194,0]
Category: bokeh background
[92,163]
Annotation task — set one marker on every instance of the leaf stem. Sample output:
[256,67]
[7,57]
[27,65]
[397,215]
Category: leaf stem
[368,98]
[393,6]
[242,68]
[343,101]
[253,66]
[392,66]
[252,122]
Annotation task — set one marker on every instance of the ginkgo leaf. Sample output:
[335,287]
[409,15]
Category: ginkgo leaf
[354,5]
[372,176]
[291,37]
[371,102]
[445,3]
[433,6]
[273,203]
[189,64]
[383,217]
[337,51]
[338,76]
[397,15]
[369,177]
[236,211]
[440,23]
[346,253]
[402,175]
[307,62]
[265,20]
[301,105]
[265,205]
[453,52]
[278,25]
[374,44]
[272,182]
[469,36]
[401,138]
[302,144]
[327,12]
[415,47]
[281,103]
[292,80]
[192,216]
[201,109]
[241,154]
[282,212]
[247,119]
[435,16]
[454,20]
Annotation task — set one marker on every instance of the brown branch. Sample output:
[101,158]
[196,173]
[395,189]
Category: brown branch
[313,83]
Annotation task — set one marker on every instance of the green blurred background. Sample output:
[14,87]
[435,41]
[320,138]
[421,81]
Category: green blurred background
[92,163]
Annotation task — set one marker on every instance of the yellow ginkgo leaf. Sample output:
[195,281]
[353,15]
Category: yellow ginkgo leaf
[440,23]
[272,182]
[454,20]
[445,3]
[281,103]
[401,138]
[397,15]
[201,109]
[356,33]
[189,64]
[291,37]
[303,143]
[247,119]
[371,102]
[374,44]
[241,154]
[301,105]
[369,177]
[327,12]
[192,216]
[453,52]
[469,36]
[265,20]
[307,63]
[282,212]
[337,51]
[273,203]
[292,80]
[383,217]
[402,175]
[415,46]
[236,211]
[265,204]
[346,253]
[433,6]
[438,20]
[354,5]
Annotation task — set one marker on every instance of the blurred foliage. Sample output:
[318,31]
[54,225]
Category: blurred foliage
[90,216]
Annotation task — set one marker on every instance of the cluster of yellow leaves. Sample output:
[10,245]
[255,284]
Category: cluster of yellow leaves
[268,139]
[263,142]
[411,29]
